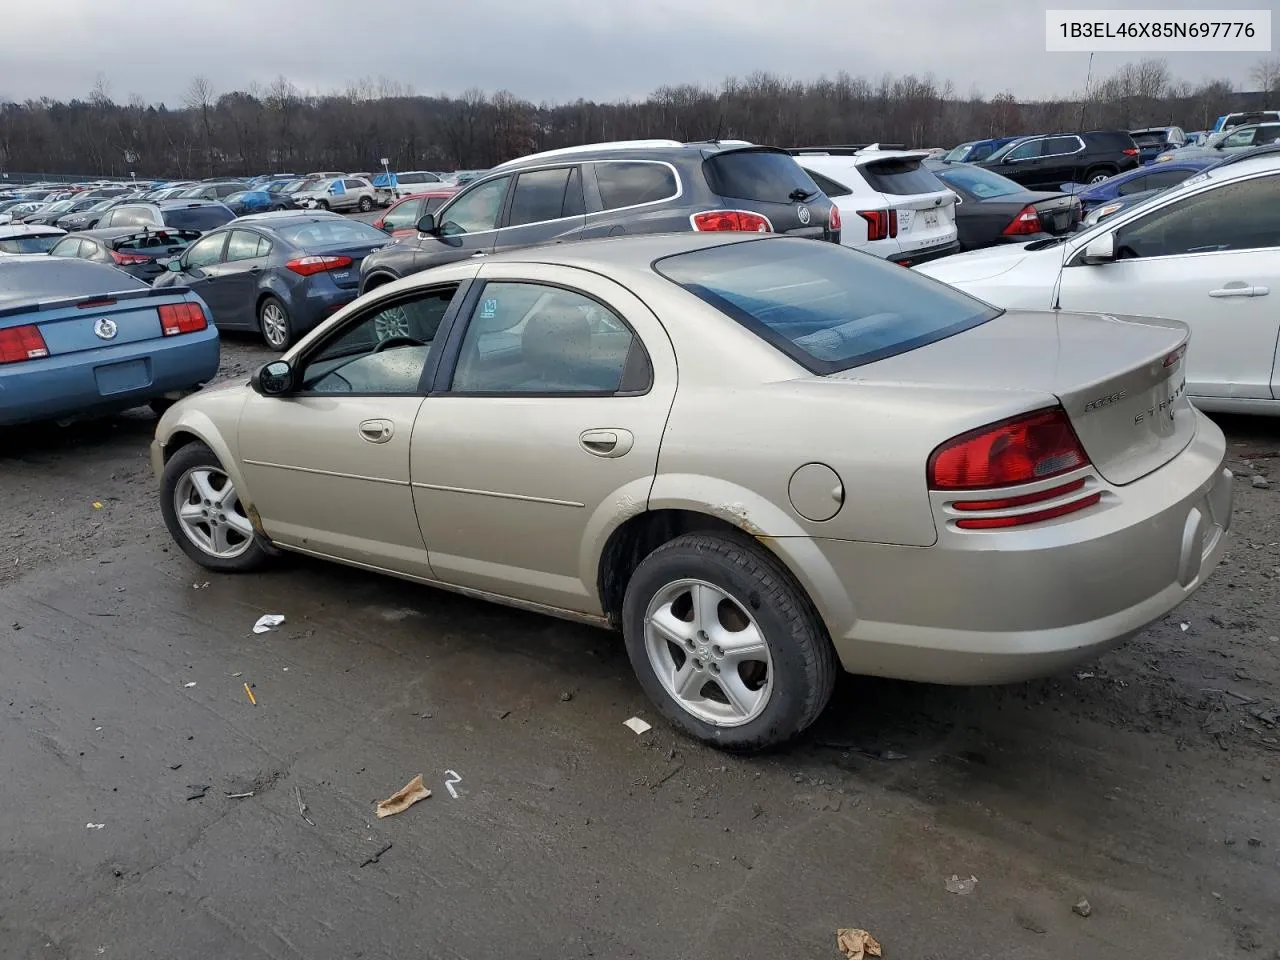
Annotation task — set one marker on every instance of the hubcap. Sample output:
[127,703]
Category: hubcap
[1098,178]
[210,513]
[708,652]
[275,327]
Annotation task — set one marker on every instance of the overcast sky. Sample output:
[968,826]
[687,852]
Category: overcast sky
[553,50]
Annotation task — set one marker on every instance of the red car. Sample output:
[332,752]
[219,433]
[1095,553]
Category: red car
[401,218]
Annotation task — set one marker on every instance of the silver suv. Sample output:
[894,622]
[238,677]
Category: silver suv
[340,193]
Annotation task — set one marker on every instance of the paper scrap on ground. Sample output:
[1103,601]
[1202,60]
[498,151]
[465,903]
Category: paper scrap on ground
[189,685]
[963,887]
[94,826]
[856,944]
[268,621]
[1185,627]
[636,724]
[404,798]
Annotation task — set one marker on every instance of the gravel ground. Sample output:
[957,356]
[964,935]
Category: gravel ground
[1145,782]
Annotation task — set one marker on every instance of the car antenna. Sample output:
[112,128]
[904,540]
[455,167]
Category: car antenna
[1071,194]
[719,127]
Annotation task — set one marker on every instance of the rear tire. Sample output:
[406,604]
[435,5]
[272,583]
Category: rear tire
[1098,174]
[365,204]
[726,644]
[208,522]
[275,324]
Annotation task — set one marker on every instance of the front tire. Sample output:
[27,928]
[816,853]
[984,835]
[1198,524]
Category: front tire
[365,204]
[1098,174]
[204,514]
[726,644]
[274,322]
[322,204]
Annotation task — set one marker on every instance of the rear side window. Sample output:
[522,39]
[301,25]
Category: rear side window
[827,185]
[336,230]
[1056,146]
[766,176]
[197,218]
[628,184]
[69,247]
[128,217]
[901,176]
[37,244]
[403,178]
[539,196]
[827,307]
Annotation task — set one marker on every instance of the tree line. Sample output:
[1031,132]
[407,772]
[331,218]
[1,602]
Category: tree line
[279,128]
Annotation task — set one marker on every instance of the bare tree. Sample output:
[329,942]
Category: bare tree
[200,100]
[1266,74]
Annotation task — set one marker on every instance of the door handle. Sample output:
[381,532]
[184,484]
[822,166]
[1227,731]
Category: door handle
[1238,288]
[612,442]
[255,269]
[377,431]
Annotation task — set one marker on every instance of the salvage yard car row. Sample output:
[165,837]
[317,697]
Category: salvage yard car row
[508,364]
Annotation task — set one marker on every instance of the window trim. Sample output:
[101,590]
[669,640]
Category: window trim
[595,191]
[1076,256]
[443,384]
[243,229]
[510,200]
[429,370]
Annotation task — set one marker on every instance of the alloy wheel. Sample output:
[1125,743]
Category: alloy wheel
[275,325]
[708,653]
[210,513]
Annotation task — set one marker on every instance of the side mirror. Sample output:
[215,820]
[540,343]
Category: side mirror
[1101,249]
[427,223]
[273,379]
[175,265]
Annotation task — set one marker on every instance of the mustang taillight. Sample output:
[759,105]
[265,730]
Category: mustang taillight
[22,343]
[731,220]
[176,318]
[1026,449]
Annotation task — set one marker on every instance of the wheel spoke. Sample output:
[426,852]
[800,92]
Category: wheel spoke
[671,626]
[240,524]
[687,682]
[219,537]
[706,606]
[743,645]
[191,513]
[742,699]
[200,480]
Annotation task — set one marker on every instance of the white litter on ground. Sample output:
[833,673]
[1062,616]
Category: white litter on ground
[268,621]
[637,725]
[94,826]
[189,685]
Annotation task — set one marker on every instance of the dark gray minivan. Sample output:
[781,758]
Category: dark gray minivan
[609,190]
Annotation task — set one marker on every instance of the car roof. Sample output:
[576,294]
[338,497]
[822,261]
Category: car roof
[282,218]
[635,253]
[181,203]
[632,149]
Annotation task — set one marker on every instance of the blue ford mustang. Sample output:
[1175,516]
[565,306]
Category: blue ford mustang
[80,339]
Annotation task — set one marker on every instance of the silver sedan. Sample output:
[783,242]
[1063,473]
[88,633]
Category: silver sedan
[761,458]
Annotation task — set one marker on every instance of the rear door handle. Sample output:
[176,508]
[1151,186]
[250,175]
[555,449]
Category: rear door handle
[377,431]
[1238,288]
[609,443]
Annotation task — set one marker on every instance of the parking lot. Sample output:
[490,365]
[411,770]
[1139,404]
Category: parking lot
[1143,783]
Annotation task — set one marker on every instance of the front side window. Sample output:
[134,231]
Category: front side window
[539,196]
[205,252]
[1241,138]
[527,338]
[1244,215]
[827,307]
[475,211]
[384,352]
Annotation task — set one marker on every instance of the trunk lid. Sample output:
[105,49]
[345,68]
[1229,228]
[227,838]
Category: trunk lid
[1121,379]
[76,324]
[768,181]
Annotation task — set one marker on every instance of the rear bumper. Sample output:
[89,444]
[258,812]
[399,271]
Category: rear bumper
[917,257]
[985,607]
[95,382]
[315,303]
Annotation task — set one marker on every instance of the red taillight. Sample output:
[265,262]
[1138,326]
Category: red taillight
[1027,221]
[95,302]
[881,224]
[1035,516]
[176,318]
[22,343]
[731,220]
[124,259]
[306,266]
[1021,450]
[834,222]
[1008,503]
[1130,151]
[1174,357]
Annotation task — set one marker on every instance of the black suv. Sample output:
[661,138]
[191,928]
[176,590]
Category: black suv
[1046,161]
[608,190]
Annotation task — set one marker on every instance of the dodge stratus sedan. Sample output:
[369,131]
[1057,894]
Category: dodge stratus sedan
[760,458]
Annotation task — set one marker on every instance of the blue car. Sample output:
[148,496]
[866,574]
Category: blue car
[277,273]
[80,339]
[255,201]
[1138,180]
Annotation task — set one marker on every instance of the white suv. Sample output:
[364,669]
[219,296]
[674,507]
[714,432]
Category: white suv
[890,204]
[405,184]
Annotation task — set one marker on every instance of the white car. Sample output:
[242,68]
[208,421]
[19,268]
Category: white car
[406,184]
[890,204]
[28,238]
[1205,251]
